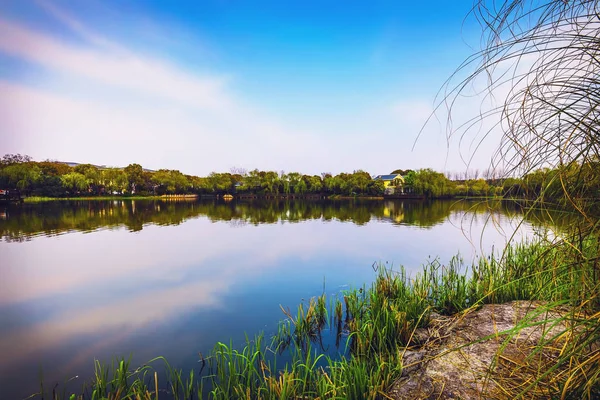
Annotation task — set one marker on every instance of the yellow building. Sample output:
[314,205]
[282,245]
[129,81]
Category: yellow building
[390,180]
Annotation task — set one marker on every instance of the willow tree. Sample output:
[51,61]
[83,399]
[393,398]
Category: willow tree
[541,59]
[540,64]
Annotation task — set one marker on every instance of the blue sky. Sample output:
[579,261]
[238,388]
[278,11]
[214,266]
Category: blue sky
[205,86]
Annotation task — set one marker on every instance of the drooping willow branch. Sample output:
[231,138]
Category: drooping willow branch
[542,57]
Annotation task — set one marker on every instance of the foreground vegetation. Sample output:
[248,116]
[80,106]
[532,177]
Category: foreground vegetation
[375,326]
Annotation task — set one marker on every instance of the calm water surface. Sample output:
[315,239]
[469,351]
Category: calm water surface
[92,280]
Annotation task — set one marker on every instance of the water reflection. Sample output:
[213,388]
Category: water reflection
[19,223]
[195,273]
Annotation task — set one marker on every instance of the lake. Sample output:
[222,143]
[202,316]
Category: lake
[94,280]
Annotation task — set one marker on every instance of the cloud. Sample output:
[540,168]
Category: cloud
[78,27]
[134,108]
[114,318]
[121,69]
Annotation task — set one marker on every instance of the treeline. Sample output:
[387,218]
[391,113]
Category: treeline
[432,184]
[575,184]
[56,179]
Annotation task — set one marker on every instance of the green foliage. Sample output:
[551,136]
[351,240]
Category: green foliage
[376,188]
[74,182]
[270,183]
[114,180]
[135,177]
[21,176]
[220,183]
[429,183]
[52,168]
[402,172]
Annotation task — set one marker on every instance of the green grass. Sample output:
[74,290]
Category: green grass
[380,322]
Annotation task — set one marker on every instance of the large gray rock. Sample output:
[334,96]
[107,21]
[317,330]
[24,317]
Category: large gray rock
[480,354]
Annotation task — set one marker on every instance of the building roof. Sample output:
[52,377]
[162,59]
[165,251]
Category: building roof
[388,177]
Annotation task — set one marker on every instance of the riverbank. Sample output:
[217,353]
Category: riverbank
[38,199]
[389,330]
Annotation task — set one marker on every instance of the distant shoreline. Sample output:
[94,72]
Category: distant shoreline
[39,199]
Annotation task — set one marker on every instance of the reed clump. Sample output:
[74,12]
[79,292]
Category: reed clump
[374,326]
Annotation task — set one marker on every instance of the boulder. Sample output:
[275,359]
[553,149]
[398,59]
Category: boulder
[486,353]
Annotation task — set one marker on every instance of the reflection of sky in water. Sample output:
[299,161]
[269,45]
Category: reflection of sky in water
[177,290]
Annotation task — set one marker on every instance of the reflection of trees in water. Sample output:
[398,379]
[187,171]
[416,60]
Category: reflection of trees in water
[429,213]
[53,218]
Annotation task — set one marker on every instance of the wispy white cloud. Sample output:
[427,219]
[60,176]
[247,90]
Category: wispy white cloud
[78,27]
[173,117]
[121,69]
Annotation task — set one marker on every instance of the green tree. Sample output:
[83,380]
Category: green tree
[315,185]
[409,179]
[301,187]
[401,171]
[198,184]
[285,183]
[329,183]
[294,179]
[477,187]
[360,181]
[430,183]
[114,180]
[376,188]
[92,175]
[270,182]
[135,177]
[75,182]
[53,168]
[252,181]
[220,182]
[512,187]
[21,176]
